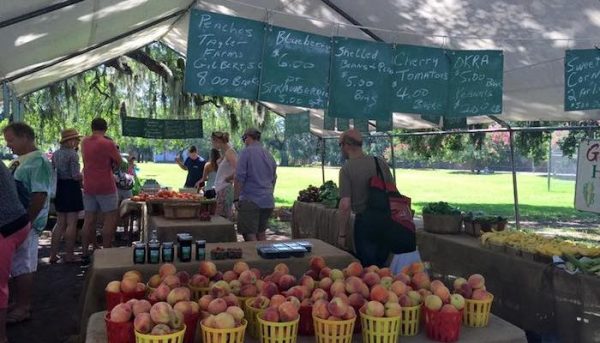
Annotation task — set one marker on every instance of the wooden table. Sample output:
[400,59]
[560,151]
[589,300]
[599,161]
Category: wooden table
[498,331]
[110,264]
[218,229]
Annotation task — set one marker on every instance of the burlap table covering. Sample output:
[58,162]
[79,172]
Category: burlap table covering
[316,221]
[111,264]
[217,230]
[139,209]
[498,331]
[532,295]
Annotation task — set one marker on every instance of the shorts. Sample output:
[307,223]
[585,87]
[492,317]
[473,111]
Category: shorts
[25,258]
[124,194]
[8,246]
[251,218]
[101,203]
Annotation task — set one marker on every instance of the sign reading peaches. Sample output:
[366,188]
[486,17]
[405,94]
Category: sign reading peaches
[588,177]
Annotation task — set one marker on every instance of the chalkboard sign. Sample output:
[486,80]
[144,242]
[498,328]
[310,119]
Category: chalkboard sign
[296,123]
[420,82]
[385,125]
[223,55]
[161,129]
[361,73]
[475,87]
[295,68]
[582,79]
[361,125]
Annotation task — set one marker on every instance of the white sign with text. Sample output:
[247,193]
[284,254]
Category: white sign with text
[587,187]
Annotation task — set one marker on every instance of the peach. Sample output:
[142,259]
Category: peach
[421,280]
[141,306]
[350,314]
[317,263]
[424,292]
[218,276]
[184,307]
[417,267]
[140,287]
[338,287]
[297,292]
[259,283]
[277,300]
[154,281]
[184,277]
[307,282]
[128,285]
[443,293]
[161,313]
[207,269]
[224,320]
[457,301]
[364,290]
[160,329]
[337,307]
[271,315]
[282,268]
[353,284]
[405,301]
[120,313]
[354,269]
[230,275]
[133,274]
[480,294]
[179,294]
[313,274]
[195,307]
[204,315]
[320,309]
[374,309]
[386,282]
[256,272]
[383,272]
[248,291]
[399,288]
[204,301]
[217,306]
[286,282]
[334,319]
[393,297]
[240,267]
[466,291]
[236,312]
[336,274]
[143,323]
[356,300]
[433,302]
[476,281]
[372,268]
[231,300]
[458,283]
[288,311]
[325,272]
[435,284]
[371,279]
[269,289]
[379,293]
[162,292]
[172,281]
[274,277]
[448,308]
[113,287]
[295,301]
[167,269]
[306,303]
[403,278]
[325,284]
[247,278]
[260,302]
[220,289]
[319,294]
[392,309]
[415,297]
[235,286]
[209,321]
[176,320]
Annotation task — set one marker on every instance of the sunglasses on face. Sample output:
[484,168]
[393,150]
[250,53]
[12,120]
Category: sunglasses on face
[244,137]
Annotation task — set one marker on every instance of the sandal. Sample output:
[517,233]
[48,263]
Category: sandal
[54,260]
[18,316]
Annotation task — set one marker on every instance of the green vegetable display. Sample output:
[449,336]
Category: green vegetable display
[442,208]
[329,194]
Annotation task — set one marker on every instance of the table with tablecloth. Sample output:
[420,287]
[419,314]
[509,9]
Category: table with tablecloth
[498,331]
[532,295]
[111,264]
[138,210]
[218,229]
[317,221]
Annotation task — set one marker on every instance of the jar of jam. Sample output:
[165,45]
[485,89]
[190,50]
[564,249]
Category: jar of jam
[200,250]
[154,252]
[168,253]
[139,253]
[185,247]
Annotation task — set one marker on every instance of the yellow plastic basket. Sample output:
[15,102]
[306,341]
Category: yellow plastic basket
[380,330]
[410,319]
[176,337]
[334,331]
[477,312]
[198,292]
[271,332]
[235,335]
[251,314]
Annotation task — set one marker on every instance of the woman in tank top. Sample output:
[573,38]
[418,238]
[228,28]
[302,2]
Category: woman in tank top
[225,174]
[210,174]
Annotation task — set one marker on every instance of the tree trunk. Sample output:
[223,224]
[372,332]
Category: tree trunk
[155,66]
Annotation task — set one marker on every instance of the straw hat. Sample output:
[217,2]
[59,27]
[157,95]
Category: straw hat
[69,134]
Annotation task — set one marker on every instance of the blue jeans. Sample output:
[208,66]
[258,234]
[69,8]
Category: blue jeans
[368,251]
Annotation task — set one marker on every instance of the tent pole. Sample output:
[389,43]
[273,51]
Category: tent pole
[393,157]
[549,164]
[323,158]
[514,178]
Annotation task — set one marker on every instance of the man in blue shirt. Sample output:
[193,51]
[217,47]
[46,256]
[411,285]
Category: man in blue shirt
[253,187]
[194,164]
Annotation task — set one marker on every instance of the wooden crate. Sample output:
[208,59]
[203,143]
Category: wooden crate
[181,210]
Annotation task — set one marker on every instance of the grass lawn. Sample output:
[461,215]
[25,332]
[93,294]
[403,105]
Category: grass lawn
[490,193]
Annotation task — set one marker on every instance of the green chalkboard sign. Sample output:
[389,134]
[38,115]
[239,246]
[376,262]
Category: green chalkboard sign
[295,69]
[361,125]
[582,79]
[297,123]
[361,74]
[223,55]
[476,78]
[420,82]
[161,129]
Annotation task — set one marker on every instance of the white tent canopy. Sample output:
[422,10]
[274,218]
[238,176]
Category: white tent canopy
[44,41]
